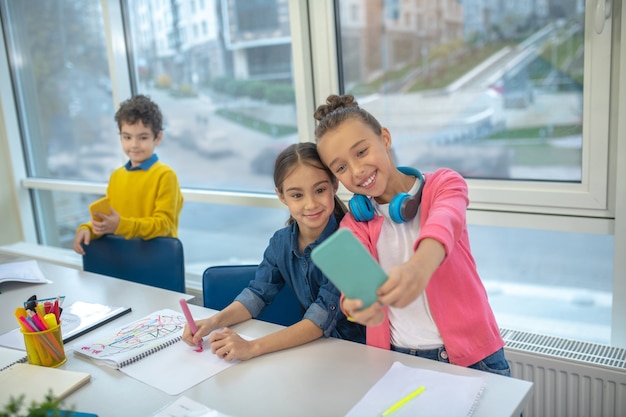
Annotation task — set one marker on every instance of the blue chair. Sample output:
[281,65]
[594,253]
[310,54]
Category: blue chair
[158,262]
[221,284]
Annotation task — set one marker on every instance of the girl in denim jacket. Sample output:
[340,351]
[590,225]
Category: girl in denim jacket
[308,190]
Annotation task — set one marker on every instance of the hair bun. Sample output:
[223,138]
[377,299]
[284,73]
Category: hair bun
[334,102]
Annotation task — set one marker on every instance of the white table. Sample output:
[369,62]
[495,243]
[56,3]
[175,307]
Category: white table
[323,378]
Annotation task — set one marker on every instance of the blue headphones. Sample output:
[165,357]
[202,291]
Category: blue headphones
[402,207]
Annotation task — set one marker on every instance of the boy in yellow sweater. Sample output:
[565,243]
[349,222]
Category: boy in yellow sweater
[144,194]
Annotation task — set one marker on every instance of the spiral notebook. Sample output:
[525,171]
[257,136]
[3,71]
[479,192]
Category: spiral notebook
[10,357]
[151,350]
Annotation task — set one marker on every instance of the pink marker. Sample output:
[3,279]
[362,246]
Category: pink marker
[26,324]
[190,321]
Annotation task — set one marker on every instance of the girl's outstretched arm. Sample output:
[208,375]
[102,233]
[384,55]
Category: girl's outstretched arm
[230,346]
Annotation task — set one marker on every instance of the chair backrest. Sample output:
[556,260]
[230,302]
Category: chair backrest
[158,262]
[221,284]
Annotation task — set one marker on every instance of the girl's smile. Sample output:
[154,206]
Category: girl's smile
[368,181]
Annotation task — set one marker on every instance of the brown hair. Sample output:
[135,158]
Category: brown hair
[337,110]
[138,108]
[304,153]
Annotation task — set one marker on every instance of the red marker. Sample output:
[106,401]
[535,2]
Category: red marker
[57,311]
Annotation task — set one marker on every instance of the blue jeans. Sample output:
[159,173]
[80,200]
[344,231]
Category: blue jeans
[495,363]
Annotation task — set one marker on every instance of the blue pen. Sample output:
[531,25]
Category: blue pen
[32,323]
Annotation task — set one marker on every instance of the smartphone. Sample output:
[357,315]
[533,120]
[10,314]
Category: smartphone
[348,265]
[100,206]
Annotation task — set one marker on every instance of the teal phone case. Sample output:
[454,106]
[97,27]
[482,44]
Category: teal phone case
[348,265]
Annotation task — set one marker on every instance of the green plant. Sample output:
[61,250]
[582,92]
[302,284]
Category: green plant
[49,407]
[280,94]
[259,125]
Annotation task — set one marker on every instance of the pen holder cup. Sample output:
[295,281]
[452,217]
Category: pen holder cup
[45,348]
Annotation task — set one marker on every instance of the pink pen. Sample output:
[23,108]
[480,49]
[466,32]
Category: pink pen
[190,321]
[26,324]
[38,323]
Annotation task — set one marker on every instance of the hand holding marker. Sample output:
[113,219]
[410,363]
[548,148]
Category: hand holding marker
[190,321]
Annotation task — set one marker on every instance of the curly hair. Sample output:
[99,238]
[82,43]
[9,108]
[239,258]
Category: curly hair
[304,153]
[140,108]
[337,110]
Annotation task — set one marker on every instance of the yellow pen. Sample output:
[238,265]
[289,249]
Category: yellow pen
[403,401]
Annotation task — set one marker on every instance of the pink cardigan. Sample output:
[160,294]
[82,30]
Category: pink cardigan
[456,296]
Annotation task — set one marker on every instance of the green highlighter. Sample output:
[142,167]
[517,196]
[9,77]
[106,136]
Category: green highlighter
[348,265]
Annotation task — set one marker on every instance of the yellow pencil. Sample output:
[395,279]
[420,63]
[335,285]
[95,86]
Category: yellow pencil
[403,401]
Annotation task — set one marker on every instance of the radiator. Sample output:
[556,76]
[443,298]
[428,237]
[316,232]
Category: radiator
[570,378]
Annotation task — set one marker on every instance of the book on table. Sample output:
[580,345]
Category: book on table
[35,382]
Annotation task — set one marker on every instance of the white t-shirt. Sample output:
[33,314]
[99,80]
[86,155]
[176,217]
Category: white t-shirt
[411,326]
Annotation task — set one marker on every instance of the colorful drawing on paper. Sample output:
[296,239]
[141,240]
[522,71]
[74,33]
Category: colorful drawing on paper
[141,336]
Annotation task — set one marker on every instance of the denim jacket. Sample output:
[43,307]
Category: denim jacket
[283,263]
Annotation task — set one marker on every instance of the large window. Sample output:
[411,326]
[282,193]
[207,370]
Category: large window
[64,102]
[547,282]
[519,97]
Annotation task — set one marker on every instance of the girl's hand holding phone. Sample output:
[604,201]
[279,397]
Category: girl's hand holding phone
[373,315]
[404,284]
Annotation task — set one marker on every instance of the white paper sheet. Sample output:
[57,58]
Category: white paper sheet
[444,395]
[186,407]
[177,368]
[22,271]
[13,339]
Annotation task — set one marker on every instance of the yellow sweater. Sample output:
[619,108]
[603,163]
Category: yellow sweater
[148,202]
